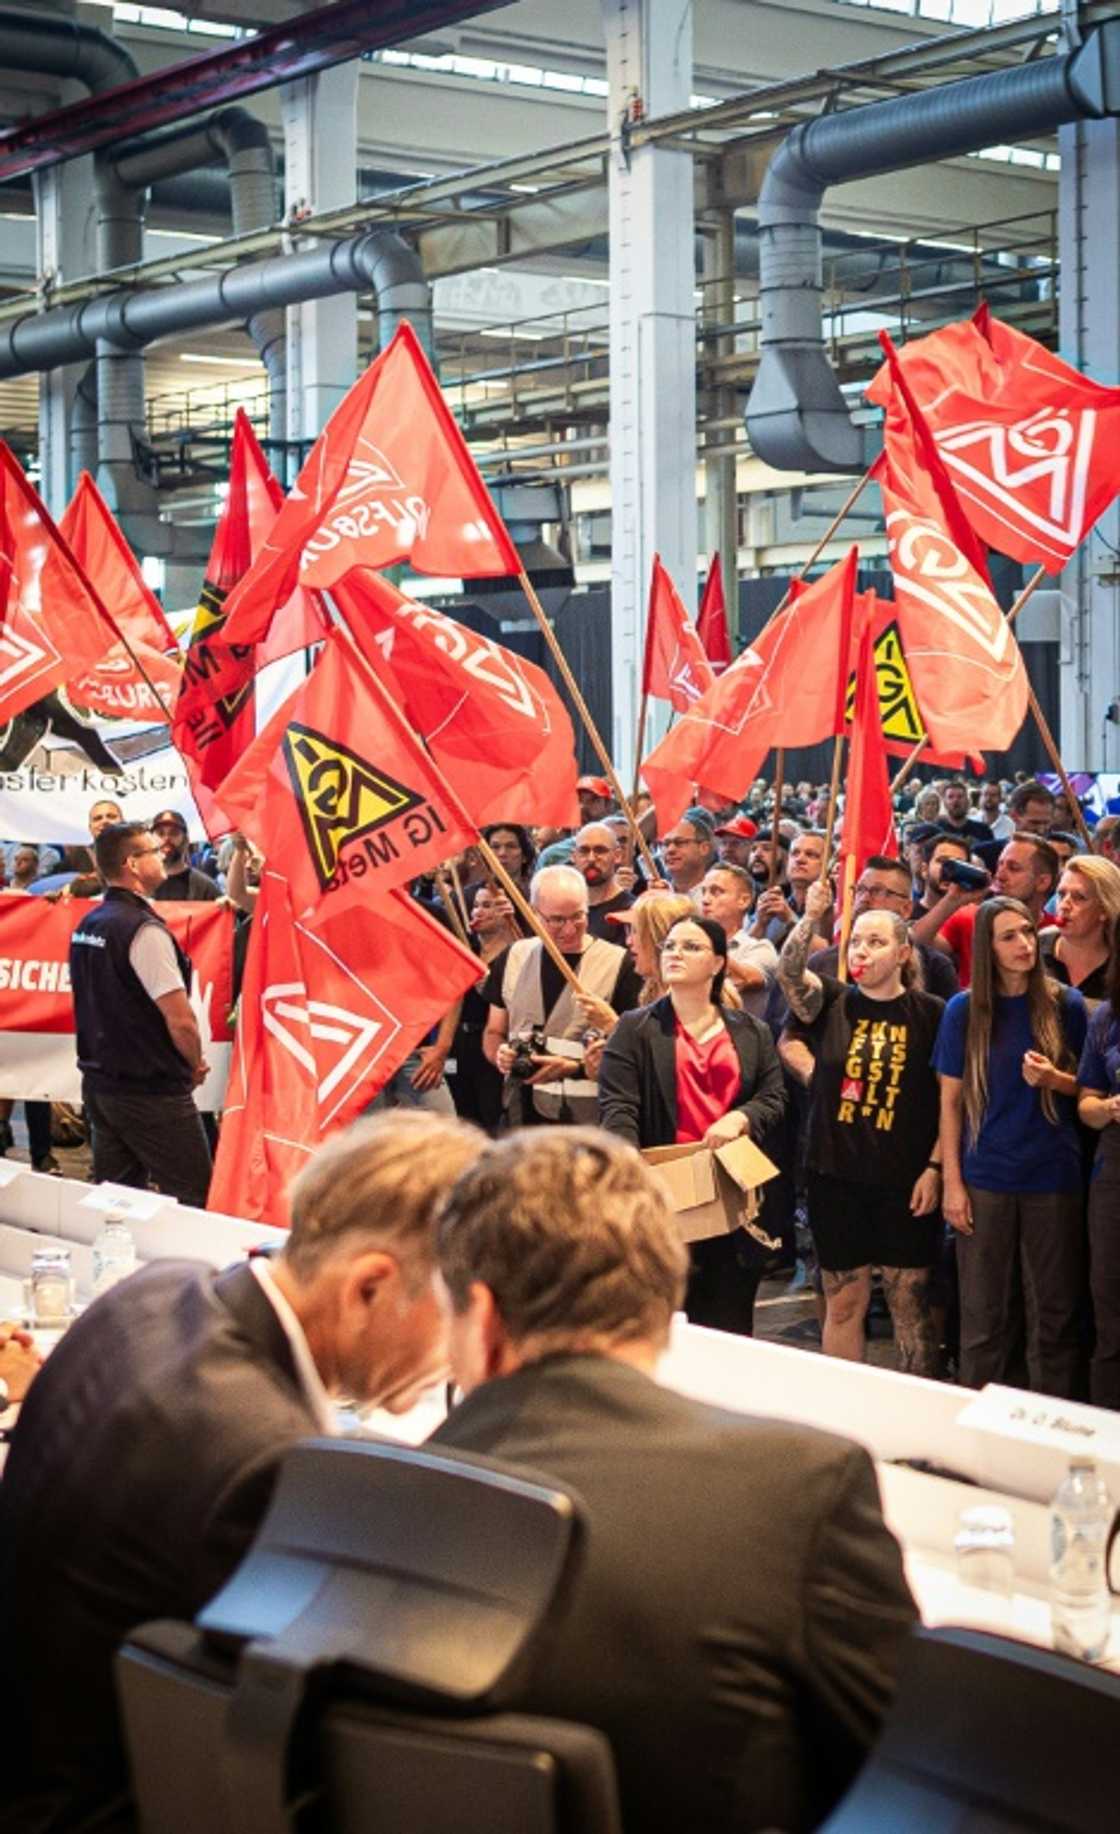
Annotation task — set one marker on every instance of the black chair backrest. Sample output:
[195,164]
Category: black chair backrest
[389,1594]
[990,1736]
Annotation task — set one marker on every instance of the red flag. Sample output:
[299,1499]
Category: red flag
[389,479]
[327,1013]
[868,810]
[143,684]
[493,722]
[54,626]
[1029,441]
[675,668]
[712,622]
[787,688]
[964,662]
[211,729]
[337,791]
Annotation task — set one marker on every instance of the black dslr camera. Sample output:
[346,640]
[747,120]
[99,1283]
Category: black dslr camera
[962,872]
[527,1045]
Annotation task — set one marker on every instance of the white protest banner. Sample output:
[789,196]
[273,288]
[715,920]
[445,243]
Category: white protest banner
[39,804]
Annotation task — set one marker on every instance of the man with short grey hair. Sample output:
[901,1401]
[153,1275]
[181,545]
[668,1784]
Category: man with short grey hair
[531,1003]
[736,1624]
[146,1451]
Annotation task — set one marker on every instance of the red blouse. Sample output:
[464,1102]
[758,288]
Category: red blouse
[708,1080]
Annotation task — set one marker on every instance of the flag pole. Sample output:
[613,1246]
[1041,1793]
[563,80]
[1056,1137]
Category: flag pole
[453,911]
[847,896]
[639,745]
[457,883]
[849,503]
[1040,718]
[779,772]
[590,727]
[898,781]
[514,894]
[833,799]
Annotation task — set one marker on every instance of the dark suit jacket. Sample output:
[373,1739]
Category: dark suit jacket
[638,1075]
[142,1463]
[736,1626]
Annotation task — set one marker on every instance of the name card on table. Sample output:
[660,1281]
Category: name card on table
[1026,1440]
[125,1202]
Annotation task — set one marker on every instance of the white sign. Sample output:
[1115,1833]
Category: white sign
[47,805]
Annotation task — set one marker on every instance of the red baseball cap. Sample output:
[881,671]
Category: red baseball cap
[741,826]
[598,786]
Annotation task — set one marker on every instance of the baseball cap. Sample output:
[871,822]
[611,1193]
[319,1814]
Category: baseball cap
[598,786]
[169,815]
[741,826]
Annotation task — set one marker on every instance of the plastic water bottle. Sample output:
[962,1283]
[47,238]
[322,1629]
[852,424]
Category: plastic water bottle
[1081,1604]
[114,1255]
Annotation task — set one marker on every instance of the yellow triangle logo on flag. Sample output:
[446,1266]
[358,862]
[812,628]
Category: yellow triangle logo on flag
[209,617]
[898,704]
[340,795]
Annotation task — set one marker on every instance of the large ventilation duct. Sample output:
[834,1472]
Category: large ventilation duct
[378,261]
[797,418]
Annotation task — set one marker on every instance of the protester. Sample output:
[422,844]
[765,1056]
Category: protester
[1006,1054]
[936,849]
[779,907]
[955,817]
[146,1451]
[139,1048]
[1098,1078]
[686,1070]
[1078,951]
[1106,838]
[24,869]
[527,995]
[734,838]
[596,799]
[1027,869]
[737,1620]
[990,805]
[476,1086]
[927,805]
[1031,808]
[181,881]
[883,885]
[688,850]
[598,856]
[726,895]
[863,1051]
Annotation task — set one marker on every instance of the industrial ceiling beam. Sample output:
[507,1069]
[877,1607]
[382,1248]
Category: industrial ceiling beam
[309,42]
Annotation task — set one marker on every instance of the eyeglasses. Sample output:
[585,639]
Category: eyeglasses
[682,840]
[867,892]
[558,922]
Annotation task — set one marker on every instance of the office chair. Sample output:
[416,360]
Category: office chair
[989,1736]
[352,1675]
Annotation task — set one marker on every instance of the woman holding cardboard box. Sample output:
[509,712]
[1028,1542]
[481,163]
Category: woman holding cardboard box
[686,1071]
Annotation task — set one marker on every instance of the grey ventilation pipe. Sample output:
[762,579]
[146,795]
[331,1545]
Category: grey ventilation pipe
[797,418]
[62,47]
[83,424]
[377,261]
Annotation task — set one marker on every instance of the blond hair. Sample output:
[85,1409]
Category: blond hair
[1103,879]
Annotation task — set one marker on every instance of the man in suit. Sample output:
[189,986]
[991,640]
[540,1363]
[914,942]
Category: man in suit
[736,1624]
[146,1452]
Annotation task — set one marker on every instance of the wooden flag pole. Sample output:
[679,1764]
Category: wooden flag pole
[845,919]
[1041,721]
[639,745]
[514,894]
[1035,580]
[453,909]
[458,884]
[589,725]
[849,503]
[779,773]
[833,799]
[898,781]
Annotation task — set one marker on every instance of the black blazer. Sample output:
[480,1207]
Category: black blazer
[142,1463]
[736,1623]
[638,1075]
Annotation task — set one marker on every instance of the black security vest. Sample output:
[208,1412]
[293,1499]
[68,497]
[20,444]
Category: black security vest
[123,1043]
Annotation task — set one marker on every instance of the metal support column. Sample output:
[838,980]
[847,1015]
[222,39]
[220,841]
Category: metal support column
[320,172]
[61,234]
[1089,246]
[721,508]
[652,335]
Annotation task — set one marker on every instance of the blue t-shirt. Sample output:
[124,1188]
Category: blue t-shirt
[1099,1068]
[1018,1148]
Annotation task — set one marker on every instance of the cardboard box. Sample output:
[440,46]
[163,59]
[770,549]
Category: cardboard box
[712,1193]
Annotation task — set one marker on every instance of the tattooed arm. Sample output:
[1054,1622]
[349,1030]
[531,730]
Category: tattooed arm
[801,987]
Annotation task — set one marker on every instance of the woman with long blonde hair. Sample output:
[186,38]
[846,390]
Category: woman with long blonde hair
[1077,951]
[1007,1055]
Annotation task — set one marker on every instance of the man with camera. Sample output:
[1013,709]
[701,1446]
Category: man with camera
[1028,869]
[532,1007]
[884,885]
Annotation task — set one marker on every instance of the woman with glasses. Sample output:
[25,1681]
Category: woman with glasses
[1098,1104]
[863,1050]
[687,1070]
[1007,1054]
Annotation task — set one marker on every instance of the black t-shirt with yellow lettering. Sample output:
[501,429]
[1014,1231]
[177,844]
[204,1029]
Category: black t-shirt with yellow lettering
[873,1101]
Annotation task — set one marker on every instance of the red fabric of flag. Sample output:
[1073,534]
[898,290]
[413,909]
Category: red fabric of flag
[1029,441]
[868,811]
[899,708]
[213,727]
[328,1012]
[787,688]
[137,686]
[676,668]
[389,479]
[964,662]
[492,721]
[54,625]
[712,619]
[338,792]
